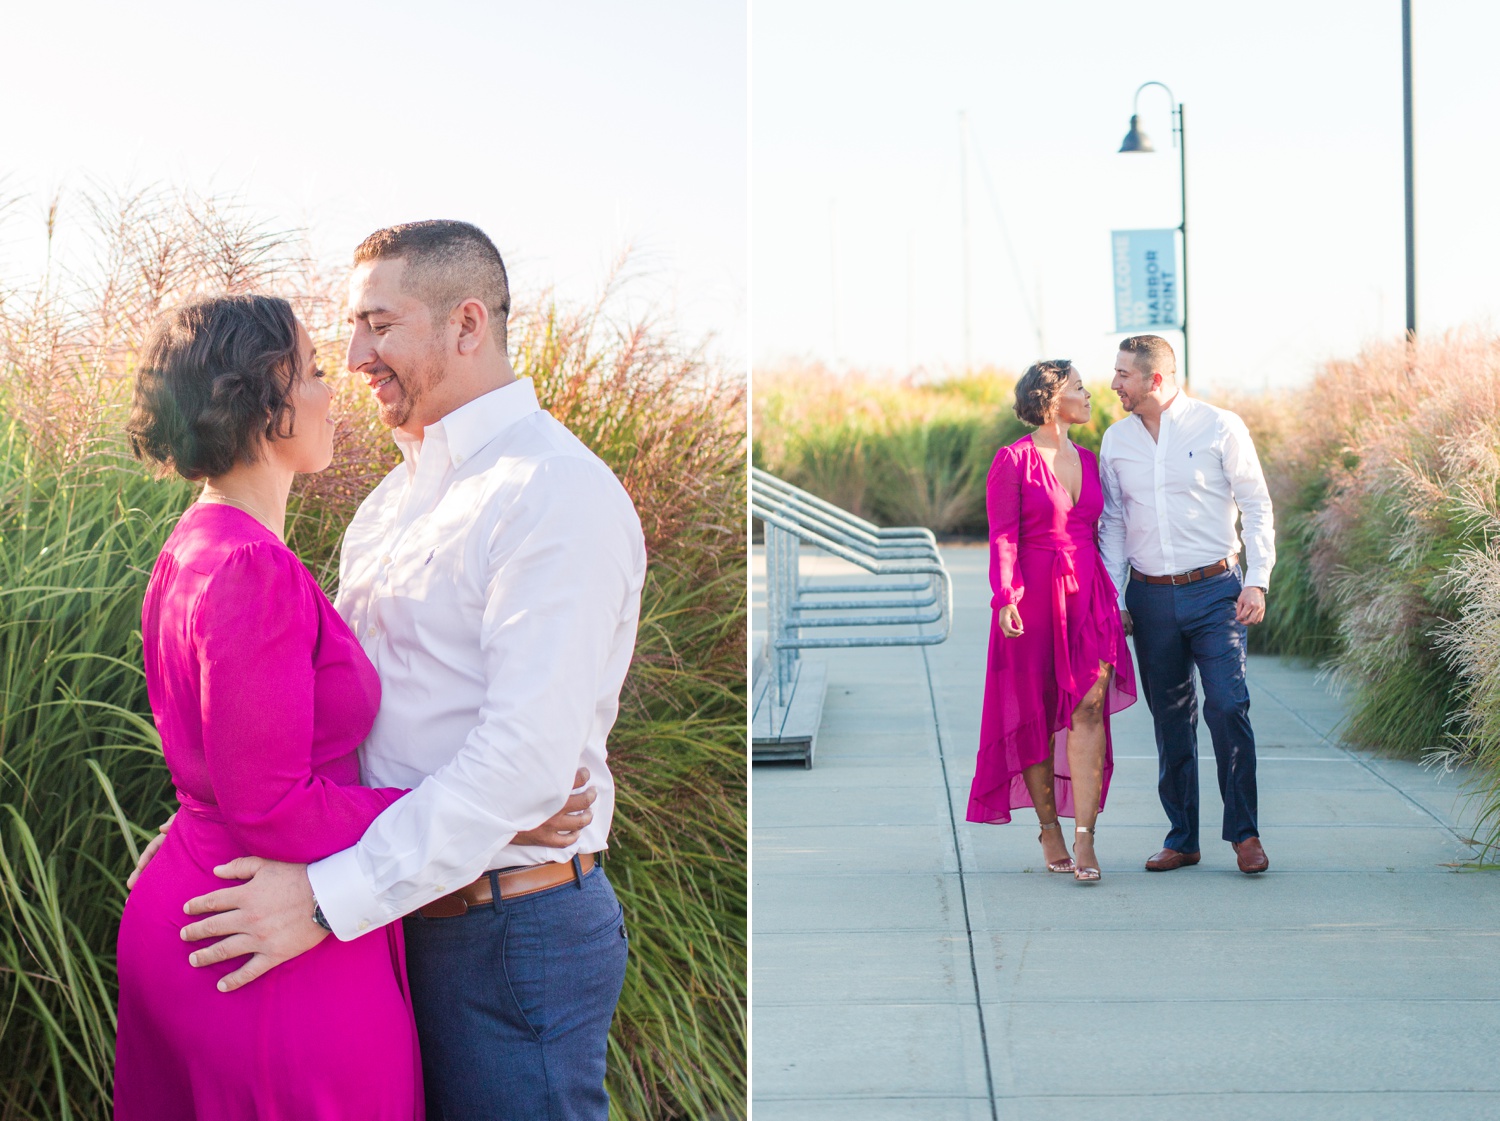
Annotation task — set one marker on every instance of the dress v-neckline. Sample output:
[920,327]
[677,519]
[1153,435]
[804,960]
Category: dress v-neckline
[1058,483]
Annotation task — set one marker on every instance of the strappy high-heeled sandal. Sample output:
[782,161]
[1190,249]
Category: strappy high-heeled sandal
[1055,865]
[1080,873]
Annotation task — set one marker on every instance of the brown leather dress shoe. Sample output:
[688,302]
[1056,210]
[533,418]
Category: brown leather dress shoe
[1251,857]
[1168,859]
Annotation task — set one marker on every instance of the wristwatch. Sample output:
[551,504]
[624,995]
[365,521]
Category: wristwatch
[318,917]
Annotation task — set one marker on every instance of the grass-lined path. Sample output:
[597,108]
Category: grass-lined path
[910,966]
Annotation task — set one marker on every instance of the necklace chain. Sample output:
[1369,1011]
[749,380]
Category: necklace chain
[218,497]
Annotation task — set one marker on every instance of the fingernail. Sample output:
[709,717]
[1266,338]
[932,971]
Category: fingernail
[223,988]
[192,959]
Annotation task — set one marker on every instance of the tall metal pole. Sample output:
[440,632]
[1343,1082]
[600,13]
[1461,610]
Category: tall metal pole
[1182,179]
[1411,205]
[911,293]
[963,172]
[833,272]
[1137,141]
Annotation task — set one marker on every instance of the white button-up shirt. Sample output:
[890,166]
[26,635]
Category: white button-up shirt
[1170,503]
[494,578]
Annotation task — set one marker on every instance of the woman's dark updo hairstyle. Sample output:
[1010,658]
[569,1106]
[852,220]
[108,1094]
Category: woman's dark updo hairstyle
[1038,389]
[215,379]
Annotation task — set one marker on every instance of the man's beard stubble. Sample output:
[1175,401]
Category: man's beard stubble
[414,382]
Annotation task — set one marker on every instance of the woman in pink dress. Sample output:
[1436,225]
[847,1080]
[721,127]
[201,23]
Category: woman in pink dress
[1058,662]
[261,695]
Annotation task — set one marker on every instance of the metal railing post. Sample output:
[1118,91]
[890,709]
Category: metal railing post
[775,609]
[792,632]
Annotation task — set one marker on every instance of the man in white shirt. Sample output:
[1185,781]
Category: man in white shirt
[494,578]
[1176,473]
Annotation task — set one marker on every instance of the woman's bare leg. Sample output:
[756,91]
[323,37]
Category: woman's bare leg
[1086,763]
[1038,778]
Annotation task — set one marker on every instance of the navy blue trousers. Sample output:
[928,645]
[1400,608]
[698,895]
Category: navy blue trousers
[514,1001]
[1183,632]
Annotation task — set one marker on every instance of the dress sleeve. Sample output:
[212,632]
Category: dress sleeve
[257,632]
[1003,500]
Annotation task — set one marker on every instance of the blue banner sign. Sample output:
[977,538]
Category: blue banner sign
[1147,296]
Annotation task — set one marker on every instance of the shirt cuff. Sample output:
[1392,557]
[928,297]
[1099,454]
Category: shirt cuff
[349,905]
[1257,578]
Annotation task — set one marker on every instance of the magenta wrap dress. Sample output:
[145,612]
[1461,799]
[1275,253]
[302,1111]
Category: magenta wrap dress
[1044,558]
[261,695]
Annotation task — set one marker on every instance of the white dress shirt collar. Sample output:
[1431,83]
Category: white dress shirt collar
[1173,411]
[468,428]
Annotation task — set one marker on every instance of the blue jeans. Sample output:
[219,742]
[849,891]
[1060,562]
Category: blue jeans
[514,1001]
[1182,631]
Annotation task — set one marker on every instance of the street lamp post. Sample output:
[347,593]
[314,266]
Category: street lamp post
[1411,205]
[1138,141]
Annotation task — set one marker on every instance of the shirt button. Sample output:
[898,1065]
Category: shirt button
[370,633]
[385,560]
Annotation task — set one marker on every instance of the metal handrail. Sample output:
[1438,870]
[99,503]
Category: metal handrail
[854,539]
[770,485]
[793,517]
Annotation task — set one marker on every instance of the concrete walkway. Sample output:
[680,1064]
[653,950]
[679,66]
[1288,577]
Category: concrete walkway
[908,965]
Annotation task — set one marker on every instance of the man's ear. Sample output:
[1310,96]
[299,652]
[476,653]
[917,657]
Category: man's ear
[473,323]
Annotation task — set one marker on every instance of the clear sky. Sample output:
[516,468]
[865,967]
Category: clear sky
[1294,122]
[566,130]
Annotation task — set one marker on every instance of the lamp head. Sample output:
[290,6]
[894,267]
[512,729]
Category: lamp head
[1135,139]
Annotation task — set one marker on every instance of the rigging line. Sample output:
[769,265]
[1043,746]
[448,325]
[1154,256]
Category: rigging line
[1010,249]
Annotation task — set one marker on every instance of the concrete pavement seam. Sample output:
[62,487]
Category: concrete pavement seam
[1362,763]
[963,889]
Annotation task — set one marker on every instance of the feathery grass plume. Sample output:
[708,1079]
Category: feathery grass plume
[82,783]
[1297,621]
[1472,644]
[1384,473]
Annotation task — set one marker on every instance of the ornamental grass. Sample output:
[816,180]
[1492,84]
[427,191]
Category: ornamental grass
[897,451]
[1385,471]
[82,783]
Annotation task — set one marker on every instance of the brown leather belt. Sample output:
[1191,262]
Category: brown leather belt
[1215,569]
[514,882]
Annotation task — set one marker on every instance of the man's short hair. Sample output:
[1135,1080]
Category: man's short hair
[1153,355]
[214,381]
[447,263]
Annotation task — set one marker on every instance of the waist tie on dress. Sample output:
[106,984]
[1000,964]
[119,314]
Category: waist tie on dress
[202,811]
[1064,584]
